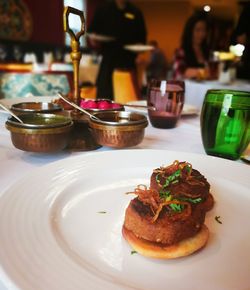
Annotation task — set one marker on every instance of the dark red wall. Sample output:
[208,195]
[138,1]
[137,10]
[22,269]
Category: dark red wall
[91,6]
[47,21]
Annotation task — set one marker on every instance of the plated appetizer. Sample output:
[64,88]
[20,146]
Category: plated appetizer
[166,220]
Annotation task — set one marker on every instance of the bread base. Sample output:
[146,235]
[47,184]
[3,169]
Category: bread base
[159,251]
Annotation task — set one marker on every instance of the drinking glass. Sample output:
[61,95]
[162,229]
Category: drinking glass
[225,120]
[213,69]
[165,99]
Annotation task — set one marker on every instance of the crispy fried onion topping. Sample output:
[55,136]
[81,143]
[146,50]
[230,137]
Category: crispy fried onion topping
[179,207]
[147,196]
[177,171]
[184,213]
[185,167]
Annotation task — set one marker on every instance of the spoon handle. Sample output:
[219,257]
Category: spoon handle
[140,106]
[75,106]
[11,113]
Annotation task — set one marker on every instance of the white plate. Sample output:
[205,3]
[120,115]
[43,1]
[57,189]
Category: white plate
[138,47]
[186,111]
[55,236]
[100,37]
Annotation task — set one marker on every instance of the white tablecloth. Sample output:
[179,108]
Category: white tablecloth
[195,91]
[15,163]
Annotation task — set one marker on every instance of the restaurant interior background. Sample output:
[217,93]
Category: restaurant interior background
[36,28]
[61,211]
[164,19]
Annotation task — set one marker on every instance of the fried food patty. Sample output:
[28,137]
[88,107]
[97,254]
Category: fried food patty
[166,219]
[191,188]
[165,230]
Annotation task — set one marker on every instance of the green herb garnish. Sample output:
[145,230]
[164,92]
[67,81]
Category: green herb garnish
[188,168]
[166,183]
[133,252]
[157,178]
[173,178]
[175,181]
[164,194]
[217,218]
[175,175]
[176,207]
[192,200]
[102,212]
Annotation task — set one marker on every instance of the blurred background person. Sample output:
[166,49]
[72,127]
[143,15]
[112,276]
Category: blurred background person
[151,64]
[191,58]
[157,66]
[241,35]
[124,23]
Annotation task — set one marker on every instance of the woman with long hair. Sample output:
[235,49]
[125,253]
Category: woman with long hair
[191,58]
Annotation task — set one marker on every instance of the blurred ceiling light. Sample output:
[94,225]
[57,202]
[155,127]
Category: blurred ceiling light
[207,8]
[237,49]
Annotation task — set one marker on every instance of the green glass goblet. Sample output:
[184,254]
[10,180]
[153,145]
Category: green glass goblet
[225,123]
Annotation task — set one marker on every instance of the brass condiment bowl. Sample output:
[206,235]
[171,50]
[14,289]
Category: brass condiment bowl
[36,107]
[118,129]
[40,132]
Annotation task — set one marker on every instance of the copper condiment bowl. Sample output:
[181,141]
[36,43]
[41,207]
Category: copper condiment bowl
[40,132]
[118,129]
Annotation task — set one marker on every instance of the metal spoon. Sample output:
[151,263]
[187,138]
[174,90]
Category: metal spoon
[11,113]
[77,107]
[140,106]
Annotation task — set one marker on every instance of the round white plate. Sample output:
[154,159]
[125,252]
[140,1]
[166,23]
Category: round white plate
[186,111]
[100,37]
[61,226]
[138,47]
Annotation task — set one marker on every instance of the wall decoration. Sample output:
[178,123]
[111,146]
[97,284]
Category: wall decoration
[15,20]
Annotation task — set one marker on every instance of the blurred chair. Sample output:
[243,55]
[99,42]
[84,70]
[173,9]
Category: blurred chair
[88,92]
[125,86]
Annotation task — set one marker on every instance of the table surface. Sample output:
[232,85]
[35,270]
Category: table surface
[16,164]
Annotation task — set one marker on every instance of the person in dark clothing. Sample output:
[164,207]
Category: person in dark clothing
[242,35]
[124,23]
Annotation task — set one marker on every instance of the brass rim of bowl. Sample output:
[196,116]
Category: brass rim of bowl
[40,131]
[105,127]
[24,125]
[126,115]
[105,110]
[18,107]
